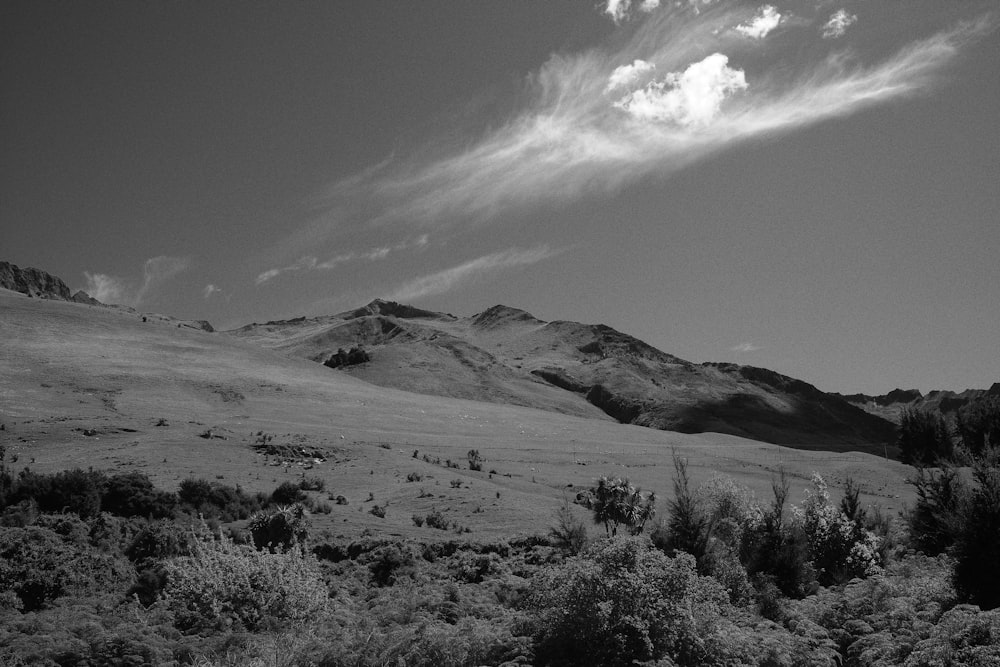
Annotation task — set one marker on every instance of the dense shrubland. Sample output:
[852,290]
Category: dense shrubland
[99,569]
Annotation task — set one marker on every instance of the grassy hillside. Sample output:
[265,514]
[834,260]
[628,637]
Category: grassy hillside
[86,386]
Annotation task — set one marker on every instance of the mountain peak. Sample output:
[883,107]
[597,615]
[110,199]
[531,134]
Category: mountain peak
[392,309]
[499,315]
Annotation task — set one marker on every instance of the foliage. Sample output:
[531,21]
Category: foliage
[935,518]
[623,602]
[280,529]
[225,585]
[218,501]
[978,425]
[38,566]
[133,494]
[840,548]
[616,504]
[922,437]
[977,541]
[774,553]
[569,532]
[688,528]
[475,461]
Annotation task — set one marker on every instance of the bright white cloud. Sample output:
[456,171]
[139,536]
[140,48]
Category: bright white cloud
[688,98]
[210,289]
[744,347]
[449,279]
[105,288]
[766,20]
[618,10]
[838,24]
[626,75]
[571,139]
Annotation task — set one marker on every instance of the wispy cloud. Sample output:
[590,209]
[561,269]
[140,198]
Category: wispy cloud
[105,288]
[210,289]
[838,24]
[449,279]
[155,272]
[766,20]
[311,263]
[598,120]
[744,347]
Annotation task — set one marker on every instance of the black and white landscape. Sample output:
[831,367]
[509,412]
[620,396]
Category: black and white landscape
[454,333]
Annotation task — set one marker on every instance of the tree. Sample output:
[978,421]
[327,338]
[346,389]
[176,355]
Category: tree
[978,425]
[282,529]
[923,437]
[616,503]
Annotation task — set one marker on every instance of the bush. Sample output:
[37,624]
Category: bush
[287,493]
[936,516]
[223,585]
[133,494]
[38,566]
[218,501]
[281,529]
[621,603]
[73,490]
[839,548]
[570,532]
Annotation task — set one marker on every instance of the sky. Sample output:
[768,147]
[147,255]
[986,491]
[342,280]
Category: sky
[810,186]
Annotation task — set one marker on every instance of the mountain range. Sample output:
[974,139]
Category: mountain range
[506,355]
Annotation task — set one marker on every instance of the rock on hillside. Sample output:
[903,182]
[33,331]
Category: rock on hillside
[40,284]
[506,355]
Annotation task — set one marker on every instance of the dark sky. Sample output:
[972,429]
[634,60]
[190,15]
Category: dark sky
[812,187]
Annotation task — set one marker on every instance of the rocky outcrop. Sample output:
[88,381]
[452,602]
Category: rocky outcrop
[36,283]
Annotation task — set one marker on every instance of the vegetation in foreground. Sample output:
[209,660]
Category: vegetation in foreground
[108,570]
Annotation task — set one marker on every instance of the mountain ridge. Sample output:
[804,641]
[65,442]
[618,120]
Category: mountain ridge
[507,355]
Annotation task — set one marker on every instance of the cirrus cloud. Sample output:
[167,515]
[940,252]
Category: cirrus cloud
[592,125]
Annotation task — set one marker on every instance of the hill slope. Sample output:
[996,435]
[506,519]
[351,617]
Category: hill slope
[83,386]
[505,355]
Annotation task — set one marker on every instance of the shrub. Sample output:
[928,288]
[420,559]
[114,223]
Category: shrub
[133,494]
[218,501]
[281,529]
[688,529]
[73,490]
[436,520]
[414,477]
[475,461]
[377,510]
[287,493]
[223,585]
[418,520]
[622,603]
[775,552]
[456,483]
[839,548]
[312,484]
[37,566]
[569,532]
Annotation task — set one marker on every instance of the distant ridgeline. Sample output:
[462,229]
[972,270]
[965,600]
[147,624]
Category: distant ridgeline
[40,284]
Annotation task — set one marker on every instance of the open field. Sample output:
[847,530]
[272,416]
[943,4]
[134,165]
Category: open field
[85,386]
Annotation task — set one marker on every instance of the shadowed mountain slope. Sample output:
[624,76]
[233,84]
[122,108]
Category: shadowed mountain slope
[506,355]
